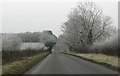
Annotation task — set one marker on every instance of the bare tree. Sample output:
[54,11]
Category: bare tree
[86,24]
[62,44]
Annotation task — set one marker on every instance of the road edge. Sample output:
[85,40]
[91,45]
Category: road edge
[28,66]
[101,63]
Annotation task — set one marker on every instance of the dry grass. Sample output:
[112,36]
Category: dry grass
[98,58]
[21,66]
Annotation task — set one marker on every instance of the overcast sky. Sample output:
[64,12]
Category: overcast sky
[29,15]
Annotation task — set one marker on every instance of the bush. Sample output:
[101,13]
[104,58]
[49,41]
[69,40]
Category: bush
[10,56]
[10,42]
[109,47]
[50,45]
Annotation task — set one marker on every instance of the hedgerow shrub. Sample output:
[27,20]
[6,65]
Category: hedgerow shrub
[109,47]
[11,56]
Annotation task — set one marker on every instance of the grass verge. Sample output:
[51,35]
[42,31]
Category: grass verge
[22,66]
[105,60]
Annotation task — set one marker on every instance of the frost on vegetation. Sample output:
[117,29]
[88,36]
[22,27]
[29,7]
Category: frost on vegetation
[33,46]
[45,37]
[109,46]
[10,42]
[87,26]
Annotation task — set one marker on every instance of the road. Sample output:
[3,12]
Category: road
[59,63]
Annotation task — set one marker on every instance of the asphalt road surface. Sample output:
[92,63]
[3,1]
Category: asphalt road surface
[59,63]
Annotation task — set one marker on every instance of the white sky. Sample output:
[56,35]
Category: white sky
[34,15]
